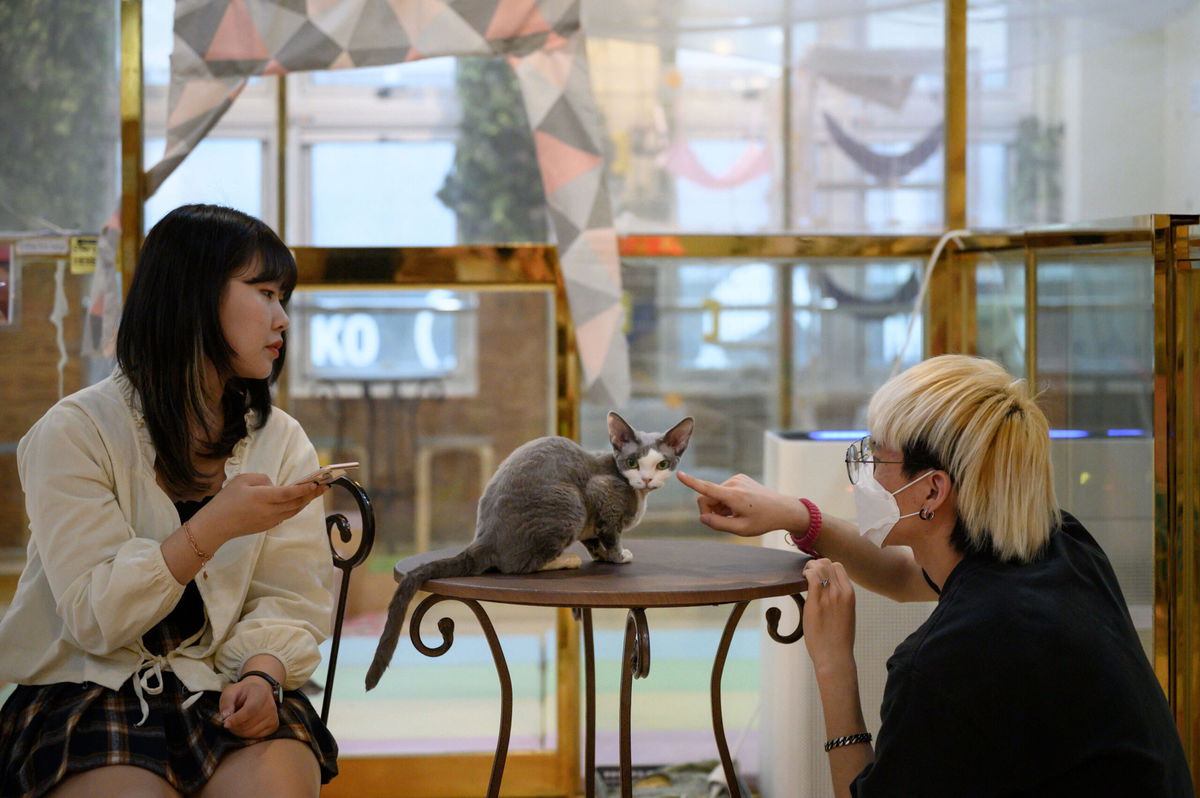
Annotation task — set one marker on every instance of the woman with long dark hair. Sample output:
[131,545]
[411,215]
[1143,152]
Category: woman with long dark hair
[178,580]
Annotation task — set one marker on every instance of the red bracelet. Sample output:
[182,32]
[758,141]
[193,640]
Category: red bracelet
[806,543]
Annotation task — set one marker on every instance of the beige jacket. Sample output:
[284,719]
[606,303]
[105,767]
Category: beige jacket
[95,579]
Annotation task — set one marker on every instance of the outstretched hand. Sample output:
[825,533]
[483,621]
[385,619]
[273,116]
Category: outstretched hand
[741,506]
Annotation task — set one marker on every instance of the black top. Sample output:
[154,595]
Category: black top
[187,617]
[1027,680]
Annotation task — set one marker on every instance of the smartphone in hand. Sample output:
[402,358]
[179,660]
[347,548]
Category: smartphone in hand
[326,474]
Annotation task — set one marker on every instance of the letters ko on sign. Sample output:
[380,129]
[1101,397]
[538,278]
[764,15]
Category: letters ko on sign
[340,339]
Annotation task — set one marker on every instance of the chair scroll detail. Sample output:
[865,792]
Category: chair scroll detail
[345,564]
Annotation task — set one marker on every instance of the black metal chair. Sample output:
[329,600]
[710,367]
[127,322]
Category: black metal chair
[345,565]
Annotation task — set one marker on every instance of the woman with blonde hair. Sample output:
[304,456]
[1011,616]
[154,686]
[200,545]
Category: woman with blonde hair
[1028,678]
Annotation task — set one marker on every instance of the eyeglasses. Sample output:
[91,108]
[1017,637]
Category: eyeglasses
[859,455]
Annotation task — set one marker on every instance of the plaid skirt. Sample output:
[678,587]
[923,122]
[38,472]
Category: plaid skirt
[49,732]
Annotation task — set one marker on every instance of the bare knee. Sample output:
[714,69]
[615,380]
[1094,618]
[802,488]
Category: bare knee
[283,768]
[126,781]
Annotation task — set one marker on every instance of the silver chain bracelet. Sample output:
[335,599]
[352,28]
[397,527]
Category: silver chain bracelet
[849,739]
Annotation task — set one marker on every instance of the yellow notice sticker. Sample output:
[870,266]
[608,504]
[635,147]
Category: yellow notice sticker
[83,254]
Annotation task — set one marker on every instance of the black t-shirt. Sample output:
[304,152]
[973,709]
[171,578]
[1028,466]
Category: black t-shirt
[1027,680]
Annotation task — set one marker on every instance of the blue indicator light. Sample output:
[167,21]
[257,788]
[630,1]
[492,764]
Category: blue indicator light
[1068,433]
[1126,433]
[837,434]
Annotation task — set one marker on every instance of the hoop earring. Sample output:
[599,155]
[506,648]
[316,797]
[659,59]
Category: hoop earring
[924,514]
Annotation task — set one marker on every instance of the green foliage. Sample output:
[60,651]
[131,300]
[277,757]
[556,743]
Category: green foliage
[495,188]
[59,131]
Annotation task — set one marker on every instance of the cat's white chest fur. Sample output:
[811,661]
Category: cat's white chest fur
[641,511]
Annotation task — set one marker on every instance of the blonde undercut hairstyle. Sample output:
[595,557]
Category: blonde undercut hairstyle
[982,426]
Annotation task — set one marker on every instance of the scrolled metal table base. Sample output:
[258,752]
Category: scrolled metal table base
[636,665]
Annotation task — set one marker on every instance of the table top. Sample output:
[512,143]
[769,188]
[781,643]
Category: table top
[664,573]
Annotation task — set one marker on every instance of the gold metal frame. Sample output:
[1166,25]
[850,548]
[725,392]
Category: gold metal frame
[133,181]
[1177,475]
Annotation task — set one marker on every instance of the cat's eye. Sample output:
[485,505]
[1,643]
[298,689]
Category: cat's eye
[663,465]
[631,462]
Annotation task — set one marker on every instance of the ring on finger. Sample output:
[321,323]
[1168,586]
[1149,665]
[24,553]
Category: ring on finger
[824,583]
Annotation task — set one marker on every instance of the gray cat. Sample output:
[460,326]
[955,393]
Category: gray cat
[546,495]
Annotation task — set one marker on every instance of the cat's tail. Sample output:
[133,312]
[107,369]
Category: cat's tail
[465,563]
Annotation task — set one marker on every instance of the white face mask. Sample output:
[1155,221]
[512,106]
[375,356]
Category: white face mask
[876,508]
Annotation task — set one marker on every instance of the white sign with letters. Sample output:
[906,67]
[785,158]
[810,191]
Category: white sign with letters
[349,339]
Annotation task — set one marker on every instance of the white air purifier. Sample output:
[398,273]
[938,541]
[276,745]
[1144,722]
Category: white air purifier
[792,758]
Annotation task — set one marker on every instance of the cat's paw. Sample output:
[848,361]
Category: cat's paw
[562,562]
[626,556]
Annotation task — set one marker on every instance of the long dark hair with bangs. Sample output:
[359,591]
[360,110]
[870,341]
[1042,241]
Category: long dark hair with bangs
[171,329]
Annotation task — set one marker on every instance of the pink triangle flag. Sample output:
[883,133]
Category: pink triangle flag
[516,18]
[554,66]
[414,15]
[237,37]
[593,338]
[603,242]
[559,162]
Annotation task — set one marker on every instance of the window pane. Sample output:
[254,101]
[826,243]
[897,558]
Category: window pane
[739,206]
[437,72]
[1058,83]
[222,171]
[380,193]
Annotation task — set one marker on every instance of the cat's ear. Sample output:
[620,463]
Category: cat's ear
[619,431]
[677,437]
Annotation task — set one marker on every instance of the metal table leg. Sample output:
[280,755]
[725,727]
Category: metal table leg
[735,615]
[635,665]
[584,616]
[717,720]
[446,627]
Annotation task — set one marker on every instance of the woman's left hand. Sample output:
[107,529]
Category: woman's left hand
[248,708]
[829,615]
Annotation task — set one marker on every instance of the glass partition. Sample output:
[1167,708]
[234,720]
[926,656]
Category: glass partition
[744,342]
[715,338]
[1000,315]
[1095,366]
[428,389]
[854,322]
[1092,329]
[429,366]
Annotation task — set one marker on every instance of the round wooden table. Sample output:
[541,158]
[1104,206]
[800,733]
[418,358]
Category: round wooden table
[664,573]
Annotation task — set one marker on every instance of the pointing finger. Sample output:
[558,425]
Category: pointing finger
[705,488]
